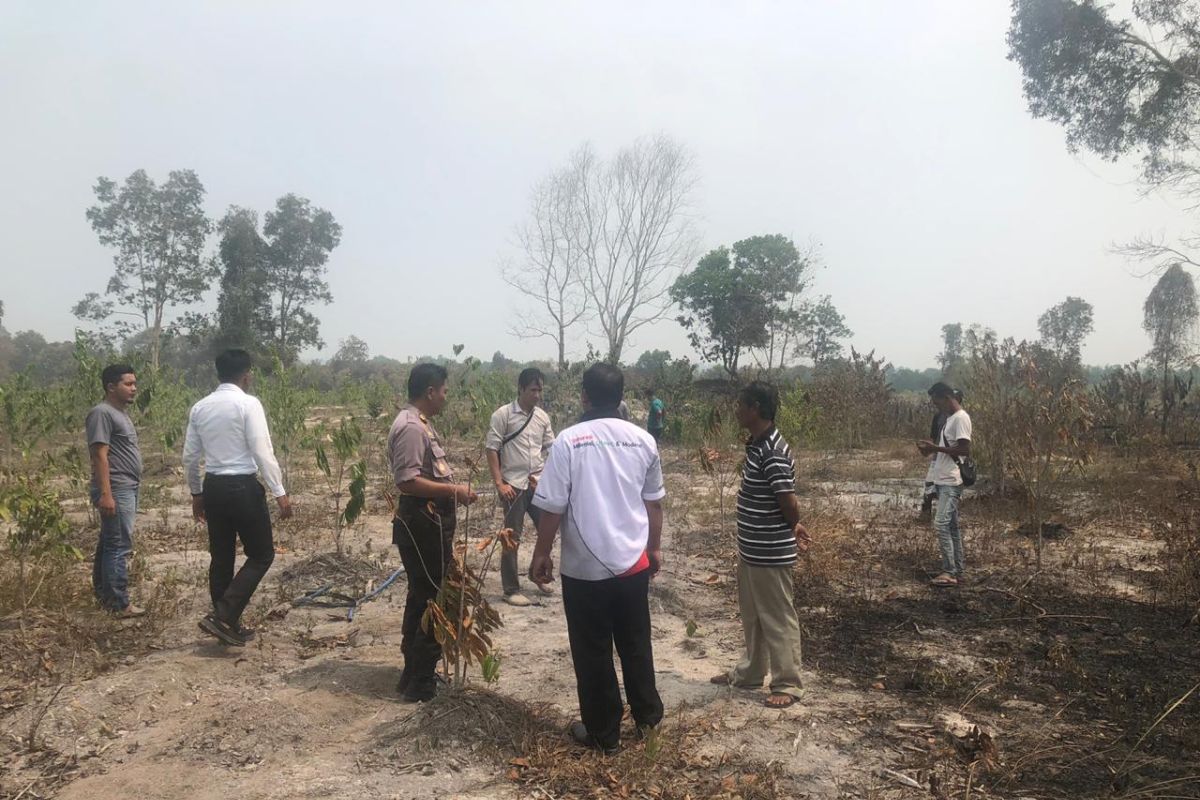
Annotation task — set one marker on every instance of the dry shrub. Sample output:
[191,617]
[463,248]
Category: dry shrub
[65,636]
[835,555]
[1178,526]
[531,742]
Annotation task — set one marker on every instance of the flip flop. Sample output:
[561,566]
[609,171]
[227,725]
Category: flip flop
[790,701]
[944,580]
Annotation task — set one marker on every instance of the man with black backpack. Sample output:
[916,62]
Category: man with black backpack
[518,439]
[952,469]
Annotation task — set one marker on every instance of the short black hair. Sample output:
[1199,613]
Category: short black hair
[425,377]
[763,396]
[604,385]
[113,374]
[941,389]
[233,364]
[530,375]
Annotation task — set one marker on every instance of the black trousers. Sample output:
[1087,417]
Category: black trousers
[236,508]
[599,615]
[425,542]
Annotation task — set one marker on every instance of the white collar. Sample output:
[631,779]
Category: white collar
[230,387]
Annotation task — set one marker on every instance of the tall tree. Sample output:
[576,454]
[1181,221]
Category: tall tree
[158,233]
[1117,85]
[1170,319]
[952,347]
[351,350]
[551,275]
[822,328]
[244,302]
[1120,84]
[1064,326]
[300,238]
[731,298]
[636,235]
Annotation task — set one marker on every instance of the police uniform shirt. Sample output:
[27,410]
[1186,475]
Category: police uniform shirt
[414,449]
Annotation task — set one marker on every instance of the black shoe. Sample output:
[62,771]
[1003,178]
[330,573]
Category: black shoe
[579,733]
[405,680]
[418,691]
[222,630]
[247,634]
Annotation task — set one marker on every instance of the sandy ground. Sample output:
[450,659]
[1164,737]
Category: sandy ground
[309,709]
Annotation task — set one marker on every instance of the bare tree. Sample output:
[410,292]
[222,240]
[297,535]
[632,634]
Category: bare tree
[552,273]
[636,235]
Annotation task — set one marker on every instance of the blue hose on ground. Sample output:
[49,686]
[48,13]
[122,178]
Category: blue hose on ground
[368,597]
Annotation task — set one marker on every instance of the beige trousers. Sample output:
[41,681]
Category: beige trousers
[766,600]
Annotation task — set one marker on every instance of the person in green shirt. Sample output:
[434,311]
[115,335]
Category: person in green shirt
[656,419]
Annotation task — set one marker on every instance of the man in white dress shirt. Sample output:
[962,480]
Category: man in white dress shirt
[227,430]
[518,439]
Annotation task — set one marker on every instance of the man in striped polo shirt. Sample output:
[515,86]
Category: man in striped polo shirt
[769,536]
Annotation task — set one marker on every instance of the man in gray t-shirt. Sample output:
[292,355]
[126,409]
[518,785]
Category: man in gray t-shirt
[116,475]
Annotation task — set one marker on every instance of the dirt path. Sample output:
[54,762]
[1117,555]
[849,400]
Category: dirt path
[309,710]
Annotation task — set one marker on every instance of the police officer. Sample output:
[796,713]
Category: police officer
[423,529]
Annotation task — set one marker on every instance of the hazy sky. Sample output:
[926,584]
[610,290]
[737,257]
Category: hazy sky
[894,134]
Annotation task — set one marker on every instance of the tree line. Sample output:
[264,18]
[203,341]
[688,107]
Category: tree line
[269,277]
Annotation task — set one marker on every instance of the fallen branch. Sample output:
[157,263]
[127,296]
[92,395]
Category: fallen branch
[900,778]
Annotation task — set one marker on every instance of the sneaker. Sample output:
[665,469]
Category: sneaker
[944,580]
[130,612]
[226,634]
[517,599]
[580,735]
[247,634]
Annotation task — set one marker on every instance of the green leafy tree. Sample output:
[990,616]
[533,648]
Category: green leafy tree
[158,233]
[734,295]
[346,443]
[1170,315]
[300,238]
[1120,83]
[822,329]
[1064,326]
[1116,85]
[952,347]
[351,350]
[653,360]
[244,303]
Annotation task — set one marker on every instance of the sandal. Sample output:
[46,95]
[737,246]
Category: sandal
[943,580]
[781,700]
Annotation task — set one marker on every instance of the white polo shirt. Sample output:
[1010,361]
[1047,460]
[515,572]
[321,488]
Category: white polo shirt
[598,476]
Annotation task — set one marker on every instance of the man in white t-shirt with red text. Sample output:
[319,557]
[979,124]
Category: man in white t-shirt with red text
[953,444]
[603,485]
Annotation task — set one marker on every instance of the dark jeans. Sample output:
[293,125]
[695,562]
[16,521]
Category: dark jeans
[236,508]
[110,568]
[425,542]
[656,433]
[599,615]
[514,517]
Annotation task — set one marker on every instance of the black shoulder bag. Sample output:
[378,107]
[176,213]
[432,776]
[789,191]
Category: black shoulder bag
[967,470]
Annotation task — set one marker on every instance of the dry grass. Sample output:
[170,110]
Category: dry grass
[64,636]
[531,744]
